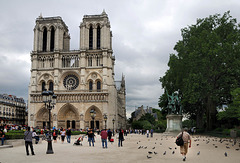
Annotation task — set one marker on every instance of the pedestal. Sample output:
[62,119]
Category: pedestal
[174,123]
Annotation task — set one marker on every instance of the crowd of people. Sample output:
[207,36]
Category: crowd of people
[106,136]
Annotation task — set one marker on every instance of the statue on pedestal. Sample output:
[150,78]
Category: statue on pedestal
[174,103]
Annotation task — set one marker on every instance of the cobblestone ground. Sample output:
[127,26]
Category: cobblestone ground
[136,148]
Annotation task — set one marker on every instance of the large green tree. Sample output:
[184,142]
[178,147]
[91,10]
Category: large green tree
[206,67]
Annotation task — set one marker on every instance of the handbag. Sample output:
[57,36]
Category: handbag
[179,140]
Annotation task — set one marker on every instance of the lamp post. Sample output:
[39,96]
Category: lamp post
[49,99]
[93,115]
[105,119]
[113,125]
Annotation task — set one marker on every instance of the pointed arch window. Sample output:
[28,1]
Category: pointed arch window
[98,37]
[44,39]
[50,86]
[91,37]
[52,39]
[90,86]
[43,86]
[98,86]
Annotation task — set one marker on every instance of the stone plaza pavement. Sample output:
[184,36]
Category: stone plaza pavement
[135,149]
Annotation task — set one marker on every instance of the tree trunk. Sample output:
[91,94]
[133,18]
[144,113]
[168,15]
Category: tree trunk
[199,118]
[211,114]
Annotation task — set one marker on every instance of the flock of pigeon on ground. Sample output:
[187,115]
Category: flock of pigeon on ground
[213,141]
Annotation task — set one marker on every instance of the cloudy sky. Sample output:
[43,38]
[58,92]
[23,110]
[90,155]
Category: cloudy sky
[144,34]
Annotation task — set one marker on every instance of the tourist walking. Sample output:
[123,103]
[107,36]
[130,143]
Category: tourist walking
[63,134]
[151,131]
[55,134]
[109,134]
[2,137]
[91,135]
[147,133]
[28,140]
[120,138]
[69,133]
[187,139]
[104,136]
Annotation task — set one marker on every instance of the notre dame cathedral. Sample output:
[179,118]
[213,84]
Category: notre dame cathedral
[83,79]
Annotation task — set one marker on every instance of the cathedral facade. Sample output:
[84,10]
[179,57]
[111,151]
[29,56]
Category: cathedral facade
[83,79]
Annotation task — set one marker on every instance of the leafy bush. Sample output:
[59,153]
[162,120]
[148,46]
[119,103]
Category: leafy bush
[14,135]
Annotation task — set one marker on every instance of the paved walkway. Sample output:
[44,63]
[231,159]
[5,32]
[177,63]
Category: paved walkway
[135,149]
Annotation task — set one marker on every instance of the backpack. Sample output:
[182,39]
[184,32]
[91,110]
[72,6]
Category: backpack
[179,140]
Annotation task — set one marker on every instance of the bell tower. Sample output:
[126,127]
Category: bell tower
[95,32]
[51,34]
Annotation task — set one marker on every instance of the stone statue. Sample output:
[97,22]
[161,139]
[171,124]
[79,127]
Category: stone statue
[174,103]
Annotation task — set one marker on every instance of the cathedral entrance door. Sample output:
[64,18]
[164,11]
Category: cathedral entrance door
[68,124]
[97,125]
[44,124]
[73,124]
[92,125]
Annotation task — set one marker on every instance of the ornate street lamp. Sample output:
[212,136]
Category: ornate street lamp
[113,125]
[105,119]
[93,115]
[49,99]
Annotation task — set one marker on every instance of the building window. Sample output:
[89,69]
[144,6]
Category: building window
[50,86]
[98,37]
[89,61]
[98,86]
[98,61]
[90,86]
[44,39]
[52,39]
[43,86]
[91,38]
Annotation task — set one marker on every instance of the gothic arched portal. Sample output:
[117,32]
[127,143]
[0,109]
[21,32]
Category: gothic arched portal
[68,116]
[97,122]
[42,118]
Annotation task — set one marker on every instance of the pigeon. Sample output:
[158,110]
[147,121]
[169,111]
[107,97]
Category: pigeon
[149,152]
[225,154]
[155,152]
[175,147]
[139,147]
[153,148]
[227,147]
[198,153]
[197,144]
[216,146]
[237,149]
[148,157]
[160,143]
[145,147]
[164,153]
[137,142]
[170,148]
[173,152]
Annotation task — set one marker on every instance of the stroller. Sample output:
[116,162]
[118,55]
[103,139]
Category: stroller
[79,141]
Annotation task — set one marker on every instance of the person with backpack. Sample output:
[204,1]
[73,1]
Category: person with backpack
[186,139]
[28,140]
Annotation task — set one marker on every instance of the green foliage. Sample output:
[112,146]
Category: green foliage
[78,132]
[148,117]
[15,135]
[206,67]
[189,123]
[233,111]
